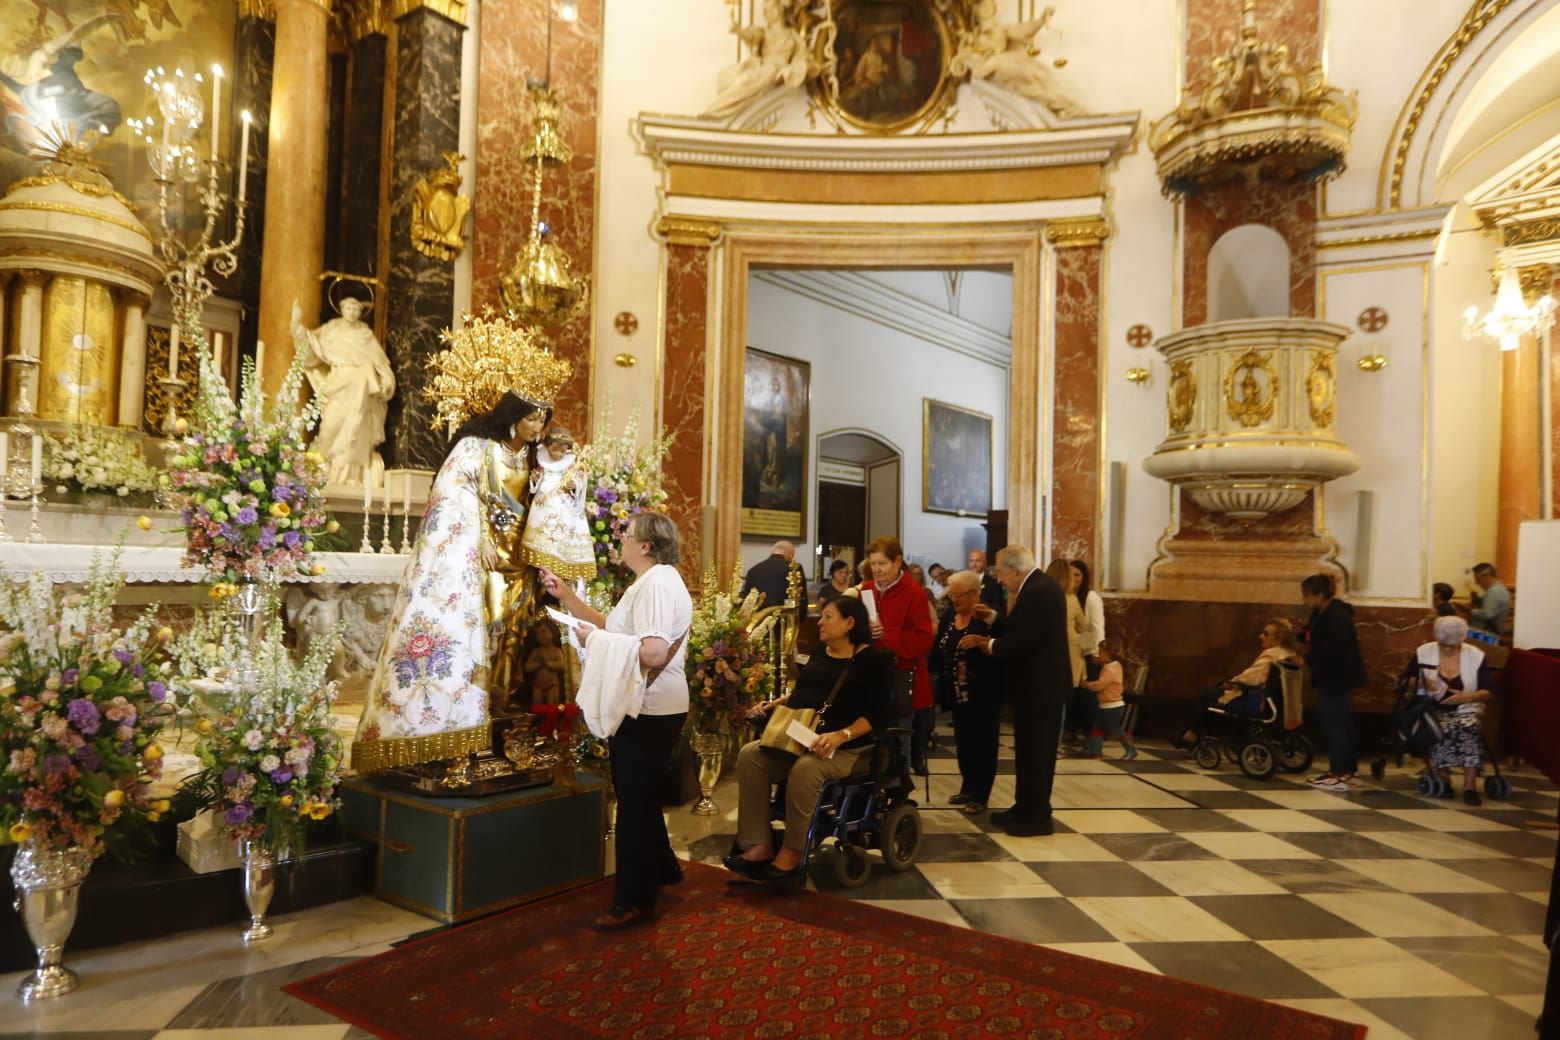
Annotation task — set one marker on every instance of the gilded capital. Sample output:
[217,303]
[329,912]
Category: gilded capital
[132,298]
[686,231]
[454,10]
[32,278]
[1070,234]
[361,18]
[265,10]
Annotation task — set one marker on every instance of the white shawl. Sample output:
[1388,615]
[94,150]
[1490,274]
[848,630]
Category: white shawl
[613,684]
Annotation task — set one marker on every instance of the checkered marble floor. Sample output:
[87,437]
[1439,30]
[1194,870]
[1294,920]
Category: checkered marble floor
[1417,918]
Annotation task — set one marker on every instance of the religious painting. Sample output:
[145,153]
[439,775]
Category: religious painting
[955,460]
[890,59]
[774,445]
[79,64]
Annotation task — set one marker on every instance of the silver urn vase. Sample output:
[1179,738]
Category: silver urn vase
[710,746]
[48,890]
[259,866]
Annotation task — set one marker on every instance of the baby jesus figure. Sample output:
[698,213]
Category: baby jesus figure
[557,535]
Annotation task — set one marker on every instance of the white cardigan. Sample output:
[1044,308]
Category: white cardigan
[1471,660]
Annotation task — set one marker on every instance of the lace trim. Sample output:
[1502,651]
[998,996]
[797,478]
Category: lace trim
[564,569]
[372,756]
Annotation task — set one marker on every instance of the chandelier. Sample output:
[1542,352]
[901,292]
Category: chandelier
[541,289]
[1511,318]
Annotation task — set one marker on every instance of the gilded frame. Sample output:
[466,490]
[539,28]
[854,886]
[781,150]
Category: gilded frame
[827,88]
[791,383]
[934,465]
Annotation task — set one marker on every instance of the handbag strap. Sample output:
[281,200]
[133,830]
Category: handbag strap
[838,682]
[655,673]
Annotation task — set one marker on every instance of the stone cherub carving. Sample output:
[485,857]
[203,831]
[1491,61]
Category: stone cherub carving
[1004,52]
[778,55]
[439,211]
[352,378]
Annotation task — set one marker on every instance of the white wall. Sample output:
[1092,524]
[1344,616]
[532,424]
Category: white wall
[866,376]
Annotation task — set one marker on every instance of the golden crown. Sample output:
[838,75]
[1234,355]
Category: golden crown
[487,357]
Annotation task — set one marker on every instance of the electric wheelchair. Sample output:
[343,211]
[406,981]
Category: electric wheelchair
[1264,739]
[871,810]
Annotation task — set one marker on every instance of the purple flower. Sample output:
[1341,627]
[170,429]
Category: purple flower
[281,494]
[69,676]
[606,495]
[292,539]
[281,776]
[87,758]
[83,714]
[55,764]
[246,515]
[137,670]
[122,656]
[157,690]
[268,537]
[229,532]
[238,814]
[230,775]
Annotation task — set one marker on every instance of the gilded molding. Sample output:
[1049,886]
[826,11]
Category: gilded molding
[323,5]
[1526,232]
[685,231]
[1375,240]
[75,211]
[454,10]
[265,10]
[144,276]
[1181,396]
[1321,388]
[1071,234]
[32,278]
[373,756]
[1536,280]
[1479,15]
[362,18]
[1251,407]
[96,189]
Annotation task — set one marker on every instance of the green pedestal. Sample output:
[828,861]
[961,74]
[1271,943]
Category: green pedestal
[458,858]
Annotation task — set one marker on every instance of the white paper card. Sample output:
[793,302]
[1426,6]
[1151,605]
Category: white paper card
[568,621]
[801,734]
[871,603]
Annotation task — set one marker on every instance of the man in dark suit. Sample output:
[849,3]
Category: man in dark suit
[992,594]
[1031,643]
[769,576]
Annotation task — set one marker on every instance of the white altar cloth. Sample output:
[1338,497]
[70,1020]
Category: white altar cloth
[157,564]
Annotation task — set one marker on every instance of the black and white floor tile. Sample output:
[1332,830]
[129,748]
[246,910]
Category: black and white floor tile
[1420,919]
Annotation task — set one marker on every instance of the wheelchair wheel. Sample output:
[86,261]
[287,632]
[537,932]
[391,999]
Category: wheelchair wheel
[851,868]
[1497,787]
[1295,753]
[1378,769]
[900,837]
[1427,784]
[1207,754]
[1257,759]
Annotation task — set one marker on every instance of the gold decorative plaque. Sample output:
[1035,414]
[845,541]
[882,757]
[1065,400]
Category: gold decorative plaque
[1245,398]
[1181,398]
[439,211]
[1321,388]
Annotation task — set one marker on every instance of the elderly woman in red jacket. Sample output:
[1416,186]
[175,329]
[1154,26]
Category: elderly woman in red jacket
[902,624]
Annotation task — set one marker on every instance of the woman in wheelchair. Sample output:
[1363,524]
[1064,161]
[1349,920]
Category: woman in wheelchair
[855,681]
[1242,694]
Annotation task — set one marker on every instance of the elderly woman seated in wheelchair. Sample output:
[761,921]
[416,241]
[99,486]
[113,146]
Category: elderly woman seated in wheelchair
[847,781]
[1239,716]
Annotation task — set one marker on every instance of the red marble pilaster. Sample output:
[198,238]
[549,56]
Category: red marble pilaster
[514,51]
[683,394]
[1075,451]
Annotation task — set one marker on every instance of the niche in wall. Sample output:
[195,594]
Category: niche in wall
[1248,274]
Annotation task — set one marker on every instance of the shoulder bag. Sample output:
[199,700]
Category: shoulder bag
[776,730]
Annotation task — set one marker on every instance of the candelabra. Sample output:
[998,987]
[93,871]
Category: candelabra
[177,168]
[406,530]
[386,545]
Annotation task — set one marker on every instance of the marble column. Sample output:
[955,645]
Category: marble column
[294,246]
[255,50]
[364,130]
[420,294]
[29,342]
[1075,450]
[683,390]
[132,360]
[1553,340]
[1521,451]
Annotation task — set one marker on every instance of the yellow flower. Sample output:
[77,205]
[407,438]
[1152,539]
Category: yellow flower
[153,816]
[314,457]
[113,799]
[144,523]
[152,753]
[164,634]
[20,832]
[203,726]
[281,509]
[162,805]
[222,590]
[318,569]
[332,527]
[316,810]
[181,427]
[285,801]
[7,687]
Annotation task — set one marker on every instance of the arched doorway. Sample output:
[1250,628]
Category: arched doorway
[860,479]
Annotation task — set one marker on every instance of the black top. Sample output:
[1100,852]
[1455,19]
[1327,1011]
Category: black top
[992,594]
[770,576]
[866,692]
[1333,649]
[828,594]
[962,674]
[1445,610]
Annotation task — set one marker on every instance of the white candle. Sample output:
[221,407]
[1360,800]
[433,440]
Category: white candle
[37,459]
[385,480]
[173,351]
[243,158]
[216,107]
[406,490]
[368,495]
[5,458]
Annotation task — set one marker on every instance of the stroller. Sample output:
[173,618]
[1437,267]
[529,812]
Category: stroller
[1416,728]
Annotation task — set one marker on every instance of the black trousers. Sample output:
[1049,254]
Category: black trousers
[976,724]
[641,749]
[1037,729]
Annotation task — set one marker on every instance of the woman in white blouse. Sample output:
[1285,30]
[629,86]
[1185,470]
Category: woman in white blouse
[657,611]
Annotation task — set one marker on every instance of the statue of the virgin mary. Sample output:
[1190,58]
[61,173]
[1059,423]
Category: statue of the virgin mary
[455,634]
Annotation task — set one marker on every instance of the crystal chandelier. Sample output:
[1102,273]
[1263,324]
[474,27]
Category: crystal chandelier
[541,289]
[1511,318]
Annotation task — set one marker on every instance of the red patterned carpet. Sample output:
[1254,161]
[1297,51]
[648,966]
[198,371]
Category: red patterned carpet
[732,961]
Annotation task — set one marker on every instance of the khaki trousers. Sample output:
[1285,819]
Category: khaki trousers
[759,768]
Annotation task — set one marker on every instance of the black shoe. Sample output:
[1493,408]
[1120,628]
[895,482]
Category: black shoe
[919,768]
[620,917]
[959,799]
[1029,828]
[796,877]
[1002,817]
[752,869]
[1471,797]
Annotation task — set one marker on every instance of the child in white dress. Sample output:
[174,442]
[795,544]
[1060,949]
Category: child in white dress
[557,535]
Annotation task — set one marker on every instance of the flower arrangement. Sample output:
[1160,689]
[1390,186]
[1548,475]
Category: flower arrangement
[81,703]
[96,459]
[727,667]
[623,479]
[249,492]
[271,759]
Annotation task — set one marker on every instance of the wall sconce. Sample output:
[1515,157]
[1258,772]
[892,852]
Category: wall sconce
[626,323]
[624,360]
[1373,360]
[1139,377]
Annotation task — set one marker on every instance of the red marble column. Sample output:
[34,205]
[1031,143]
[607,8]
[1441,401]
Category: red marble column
[683,393]
[1075,451]
[1554,412]
[513,51]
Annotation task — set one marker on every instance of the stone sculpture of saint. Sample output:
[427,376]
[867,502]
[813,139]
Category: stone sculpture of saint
[352,380]
[1004,53]
[779,55]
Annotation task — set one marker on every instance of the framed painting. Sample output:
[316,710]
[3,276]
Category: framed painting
[955,460]
[775,406]
[890,60]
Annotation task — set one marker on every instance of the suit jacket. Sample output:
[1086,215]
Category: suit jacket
[1031,641]
[769,577]
[992,594]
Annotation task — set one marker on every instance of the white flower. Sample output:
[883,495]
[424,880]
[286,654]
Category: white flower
[270,764]
[254,739]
